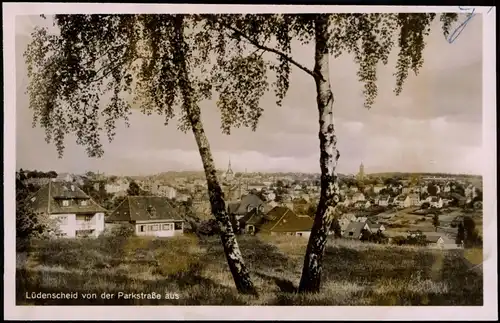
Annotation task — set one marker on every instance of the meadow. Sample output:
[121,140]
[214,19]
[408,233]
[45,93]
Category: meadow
[195,269]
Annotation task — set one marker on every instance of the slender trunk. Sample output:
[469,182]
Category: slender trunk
[232,251]
[311,272]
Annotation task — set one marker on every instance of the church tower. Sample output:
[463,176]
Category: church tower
[361,173]
[229,176]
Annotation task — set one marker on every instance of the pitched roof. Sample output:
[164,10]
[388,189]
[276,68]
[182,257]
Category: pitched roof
[401,198]
[282,219]
[144,208]
[432,239]
[241,208]
[355,228]
[47,199]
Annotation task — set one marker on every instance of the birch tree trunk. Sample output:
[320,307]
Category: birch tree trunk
[311,271]
[232,251]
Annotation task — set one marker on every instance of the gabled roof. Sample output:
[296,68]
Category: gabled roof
[145,208]
[433,239]
[282,219]
[241,208]
[47,199]
[355,228]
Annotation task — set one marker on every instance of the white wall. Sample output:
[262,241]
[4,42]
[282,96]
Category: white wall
[66,224]
[70,223]
[161,232]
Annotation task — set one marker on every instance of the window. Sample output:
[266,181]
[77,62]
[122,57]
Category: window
[351,234]
[65,203]
[152,211]
[299,234]
[142,228]
[83,203]
[63,219]
[167,227]
[154,227]
[178,225]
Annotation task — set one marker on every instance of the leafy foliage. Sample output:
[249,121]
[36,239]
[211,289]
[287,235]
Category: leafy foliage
[29,224]
[82,77]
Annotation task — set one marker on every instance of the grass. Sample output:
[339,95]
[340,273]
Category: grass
[354,273]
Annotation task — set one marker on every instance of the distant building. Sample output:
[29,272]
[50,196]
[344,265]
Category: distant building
[229,174]
[77,214]
[361,173]
[150,216]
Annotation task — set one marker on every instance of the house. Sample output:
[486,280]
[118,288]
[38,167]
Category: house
[280,220]
[435,202]
[384,200]
[377,188]
[414,199]
[375,227]
[403,201]
[406,190]
[150,215]
[358,196]
[362,204]
[353,189]
[250,202]
[435,241]
[76,213]
[344,221]
[355,230]
[65,177]
[164,190]
[120,185]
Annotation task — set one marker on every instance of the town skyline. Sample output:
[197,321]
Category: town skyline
[434,126]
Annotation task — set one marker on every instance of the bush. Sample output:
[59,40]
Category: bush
[209,228]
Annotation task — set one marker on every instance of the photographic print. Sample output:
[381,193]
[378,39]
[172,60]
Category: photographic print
[274,158]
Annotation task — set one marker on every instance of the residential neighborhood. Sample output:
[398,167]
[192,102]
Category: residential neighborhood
[369,205]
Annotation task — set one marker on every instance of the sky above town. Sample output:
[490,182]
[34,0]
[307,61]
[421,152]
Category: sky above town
[433,126]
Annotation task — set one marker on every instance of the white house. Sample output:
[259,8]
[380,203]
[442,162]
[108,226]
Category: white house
[435,201]
[358,196]
[414,199]
[164,191]
[362,204]
[384,200]
[120,185]
[403,201]
[76,213]
[150,216]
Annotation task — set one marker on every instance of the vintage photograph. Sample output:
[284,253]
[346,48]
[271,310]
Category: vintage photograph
[256,159]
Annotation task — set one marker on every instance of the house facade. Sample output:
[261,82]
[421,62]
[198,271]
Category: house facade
[150,215]
[414,199]
[76,214]
[403,201]
[384,200]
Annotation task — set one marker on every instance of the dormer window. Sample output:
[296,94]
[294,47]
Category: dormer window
[65,202]
[152,211]
[250,208]
[83,202]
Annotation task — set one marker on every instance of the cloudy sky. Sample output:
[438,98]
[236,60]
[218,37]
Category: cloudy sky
[433,126]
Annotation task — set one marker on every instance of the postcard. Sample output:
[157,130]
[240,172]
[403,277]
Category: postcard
[249,162]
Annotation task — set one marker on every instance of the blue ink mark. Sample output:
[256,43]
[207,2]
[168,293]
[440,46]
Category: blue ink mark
[462,26]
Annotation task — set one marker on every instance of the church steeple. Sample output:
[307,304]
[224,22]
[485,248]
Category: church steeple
[229,173]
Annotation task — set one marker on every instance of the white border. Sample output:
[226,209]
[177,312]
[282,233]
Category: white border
[487,312]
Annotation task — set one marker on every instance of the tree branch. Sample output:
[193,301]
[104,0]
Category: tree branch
[269,49]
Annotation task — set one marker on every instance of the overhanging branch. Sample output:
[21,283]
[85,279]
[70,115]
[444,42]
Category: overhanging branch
[268,49]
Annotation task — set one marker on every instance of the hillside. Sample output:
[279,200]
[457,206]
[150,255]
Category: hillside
[354,273]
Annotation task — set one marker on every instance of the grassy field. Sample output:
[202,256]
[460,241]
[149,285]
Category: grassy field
[354,273]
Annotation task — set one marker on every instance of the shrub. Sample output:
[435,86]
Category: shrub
[209,228]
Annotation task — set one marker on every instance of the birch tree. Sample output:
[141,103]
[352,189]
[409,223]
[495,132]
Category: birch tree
[370,38]
[83,75]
